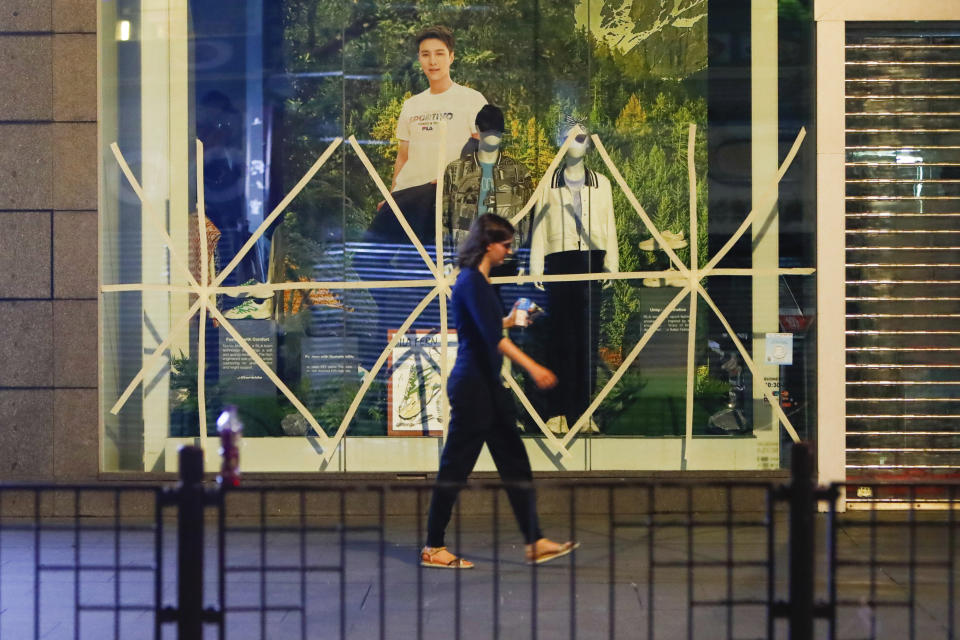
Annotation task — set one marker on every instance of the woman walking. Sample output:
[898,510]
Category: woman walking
[481,410]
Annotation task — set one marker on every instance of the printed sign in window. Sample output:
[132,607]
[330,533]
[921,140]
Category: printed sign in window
[415,391]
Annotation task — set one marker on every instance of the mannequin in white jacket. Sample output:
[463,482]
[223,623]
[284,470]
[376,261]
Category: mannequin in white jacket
[556,225]
[574,232]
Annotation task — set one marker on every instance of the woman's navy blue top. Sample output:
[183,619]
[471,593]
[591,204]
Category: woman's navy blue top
[479,322]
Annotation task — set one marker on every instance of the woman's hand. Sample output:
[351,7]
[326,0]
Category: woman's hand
[533,313]
[543,377]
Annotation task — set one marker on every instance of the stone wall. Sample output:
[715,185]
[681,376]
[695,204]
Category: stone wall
[48,240]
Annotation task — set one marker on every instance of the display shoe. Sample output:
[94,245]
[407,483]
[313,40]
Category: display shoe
[558,425]
[259,290]
[251,310]
[668,280]
[672,240]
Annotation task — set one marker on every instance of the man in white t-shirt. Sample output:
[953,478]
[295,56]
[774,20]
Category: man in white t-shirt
[419,127]
[420,157]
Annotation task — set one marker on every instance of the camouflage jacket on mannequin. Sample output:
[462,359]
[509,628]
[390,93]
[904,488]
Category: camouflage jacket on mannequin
[512,187]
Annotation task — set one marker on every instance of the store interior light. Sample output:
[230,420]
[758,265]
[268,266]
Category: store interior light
[123,30]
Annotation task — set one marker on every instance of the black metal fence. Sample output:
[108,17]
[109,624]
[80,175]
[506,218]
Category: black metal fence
[679,559]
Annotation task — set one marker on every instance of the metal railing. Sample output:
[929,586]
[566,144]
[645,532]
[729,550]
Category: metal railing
[658,559]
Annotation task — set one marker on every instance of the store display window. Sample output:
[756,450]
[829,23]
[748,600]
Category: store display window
[285,187]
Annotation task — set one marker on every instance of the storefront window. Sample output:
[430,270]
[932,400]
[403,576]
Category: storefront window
[285,186]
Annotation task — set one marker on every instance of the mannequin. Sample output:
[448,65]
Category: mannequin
[574,233]
[488,152]
[485,180]
[575,213]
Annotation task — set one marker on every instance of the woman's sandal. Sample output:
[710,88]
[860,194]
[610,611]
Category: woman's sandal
[429,558]
[534,557]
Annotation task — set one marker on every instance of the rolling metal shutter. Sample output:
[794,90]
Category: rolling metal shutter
[903,251]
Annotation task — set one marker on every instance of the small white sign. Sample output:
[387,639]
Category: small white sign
[780,348]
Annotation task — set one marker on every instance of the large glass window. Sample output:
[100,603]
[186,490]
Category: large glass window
[285,186]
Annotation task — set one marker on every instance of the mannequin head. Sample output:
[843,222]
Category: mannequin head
[490,123]
[575,152]
[578,147]
[489,141]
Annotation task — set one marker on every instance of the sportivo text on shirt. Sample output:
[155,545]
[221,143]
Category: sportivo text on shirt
[419,123]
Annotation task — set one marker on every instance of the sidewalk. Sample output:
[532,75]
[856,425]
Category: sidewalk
[569,598]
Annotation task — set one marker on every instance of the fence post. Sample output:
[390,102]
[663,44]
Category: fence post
[802,507]
[190,545]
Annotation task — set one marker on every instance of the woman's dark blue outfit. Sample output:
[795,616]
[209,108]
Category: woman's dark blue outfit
[481,411]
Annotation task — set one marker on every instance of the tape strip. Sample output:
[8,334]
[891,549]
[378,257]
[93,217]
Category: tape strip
[449,280]
[694,277]
[205,279]
[691,371]
[444,337]
[692,187]
[770,271]
[318,284]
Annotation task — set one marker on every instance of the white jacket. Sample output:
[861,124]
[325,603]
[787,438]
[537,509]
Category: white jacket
[555,225]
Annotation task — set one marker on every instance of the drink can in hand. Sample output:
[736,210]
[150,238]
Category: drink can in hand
[523,310]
